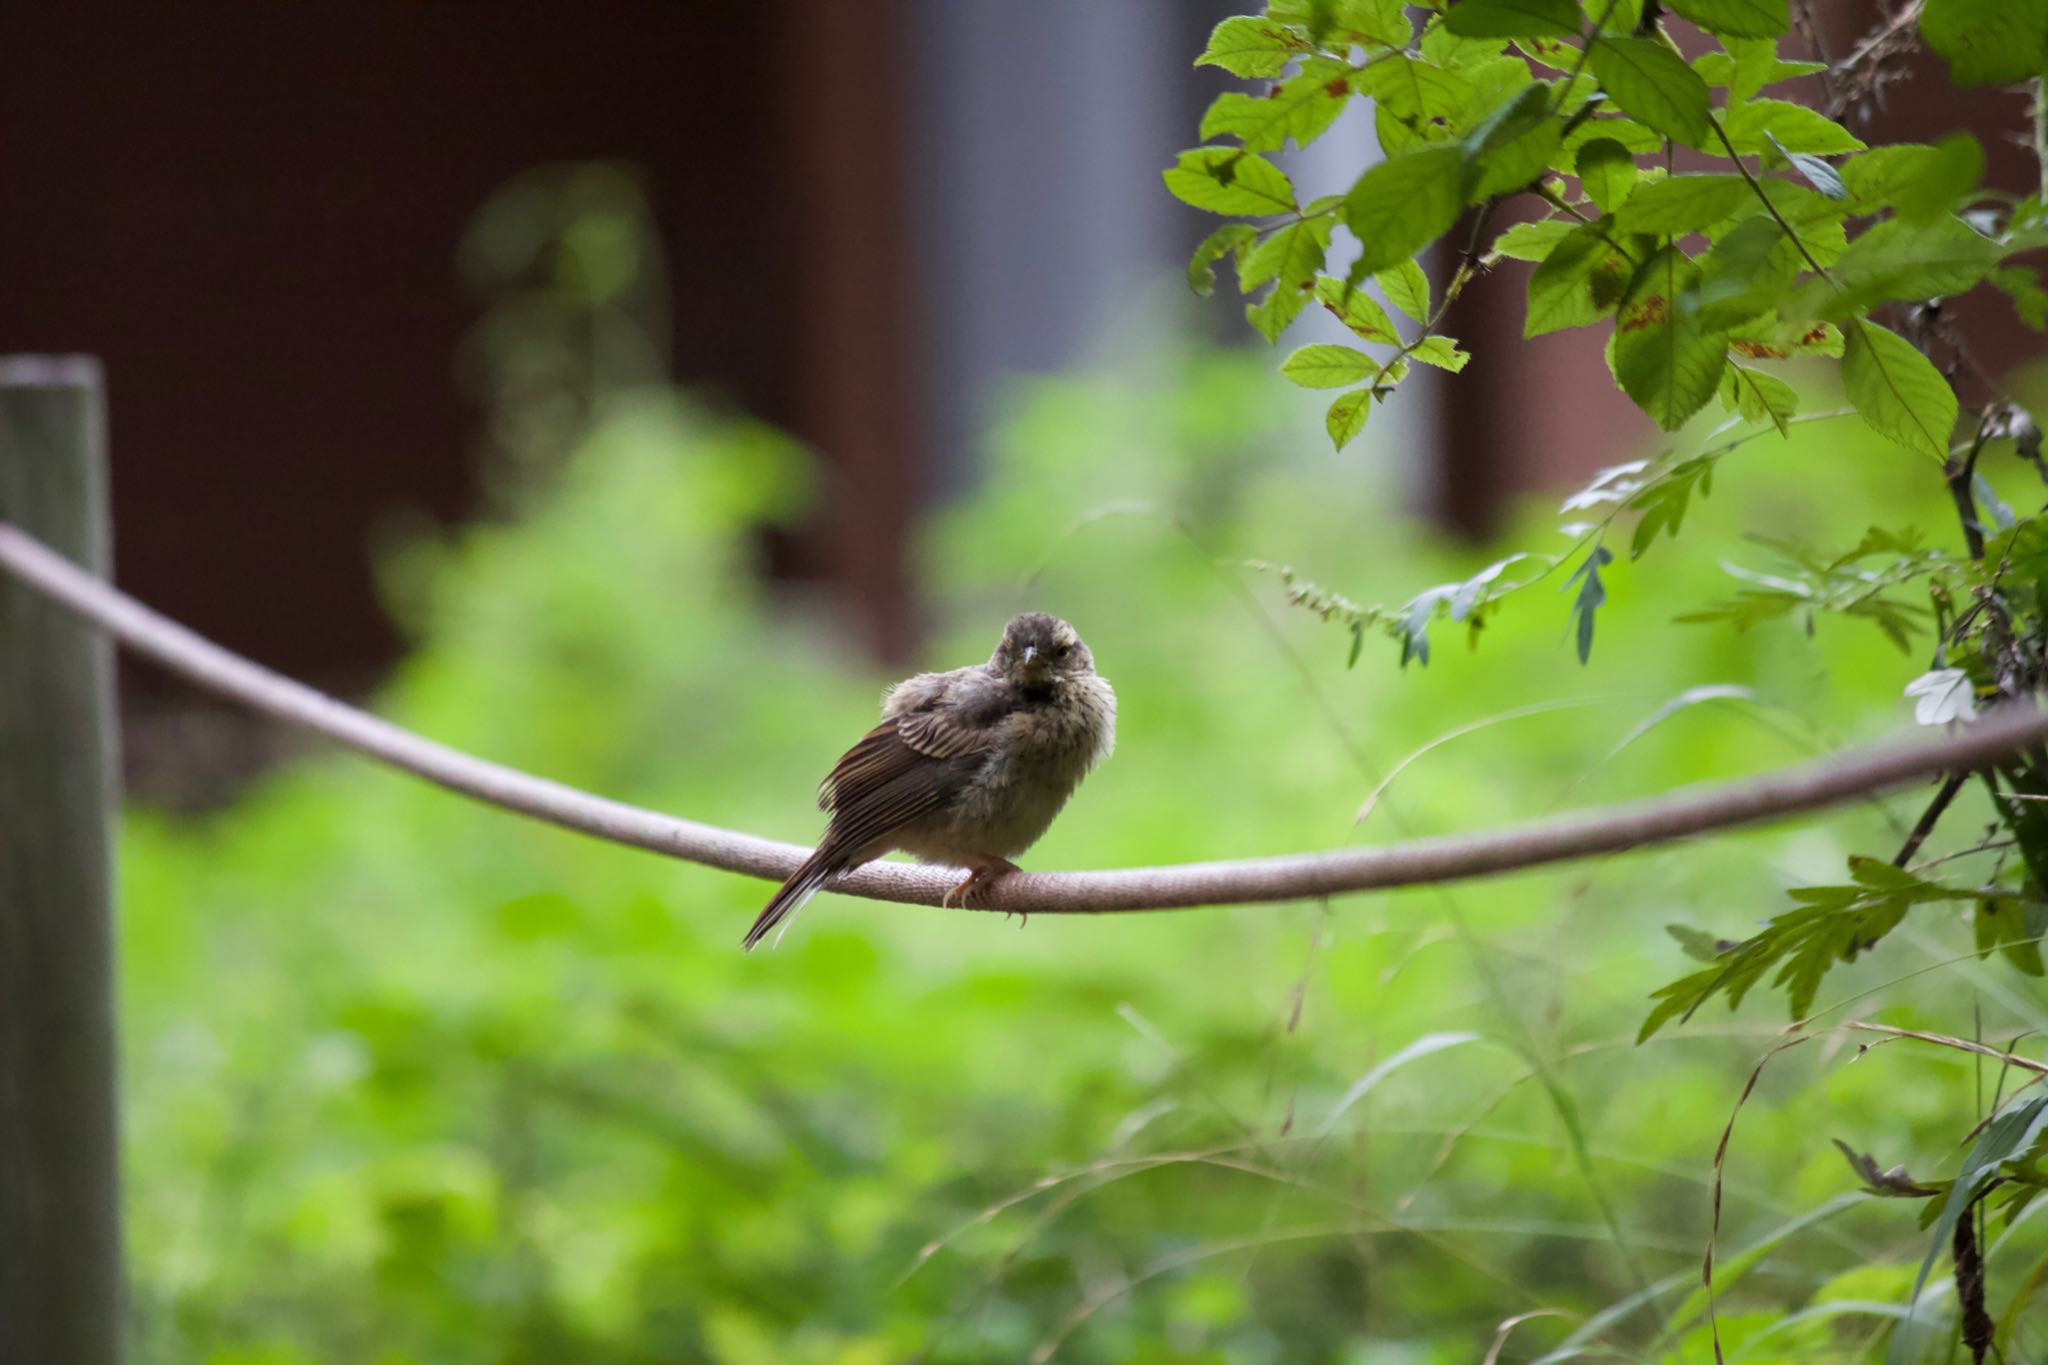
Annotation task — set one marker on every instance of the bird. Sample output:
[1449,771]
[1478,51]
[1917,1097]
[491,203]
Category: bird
[968,767]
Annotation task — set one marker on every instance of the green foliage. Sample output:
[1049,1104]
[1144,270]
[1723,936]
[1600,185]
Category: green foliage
[411,1080]
[1715,259]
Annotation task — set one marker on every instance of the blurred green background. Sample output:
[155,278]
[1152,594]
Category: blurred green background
[410,1080]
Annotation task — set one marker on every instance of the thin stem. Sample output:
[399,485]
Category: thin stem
[1758,188]
[1929,818]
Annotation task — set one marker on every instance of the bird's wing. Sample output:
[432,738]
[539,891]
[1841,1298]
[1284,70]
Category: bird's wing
[901,771]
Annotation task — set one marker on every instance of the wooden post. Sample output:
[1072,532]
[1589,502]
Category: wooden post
[61,1299]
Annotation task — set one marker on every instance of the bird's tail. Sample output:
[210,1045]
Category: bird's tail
[803,884]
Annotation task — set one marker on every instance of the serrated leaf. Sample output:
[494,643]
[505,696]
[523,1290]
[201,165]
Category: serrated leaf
[1746,272]
[1653,83]
[1346,417]
[1759,397]
[1356,309]
[1440,351]
[1376,21]
[1301,108]
[1415,102]
[1403,204]
[1290,256]
[1607,171]
[1271,314]
[1916,181]
[1407,288]
[1230,239]
[1752,124]
[1987,42]
[1247,45]
[1737,18]
[1772,339]
[1666,359]
[1560,291]
[1322,365]
[1754,63]
[1225,180]
[1897,390]
[1532,241]
[1896,259]
[1513,19]
[1514,144]
[1680,204]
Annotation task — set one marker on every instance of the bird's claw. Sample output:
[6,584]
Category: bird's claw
[976,877]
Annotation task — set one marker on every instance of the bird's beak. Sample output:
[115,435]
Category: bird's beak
[1030,653]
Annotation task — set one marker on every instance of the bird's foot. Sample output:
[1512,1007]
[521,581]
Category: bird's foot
[977,876]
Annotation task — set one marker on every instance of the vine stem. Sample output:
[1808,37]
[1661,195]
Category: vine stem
[1300,876]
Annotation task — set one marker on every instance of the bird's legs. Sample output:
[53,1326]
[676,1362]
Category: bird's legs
[980,874]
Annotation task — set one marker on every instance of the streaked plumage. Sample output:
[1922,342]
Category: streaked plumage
[967,767]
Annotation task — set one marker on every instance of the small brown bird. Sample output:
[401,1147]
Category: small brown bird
[967,768]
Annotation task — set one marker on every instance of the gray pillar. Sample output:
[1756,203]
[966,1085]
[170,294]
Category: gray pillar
[60,1230]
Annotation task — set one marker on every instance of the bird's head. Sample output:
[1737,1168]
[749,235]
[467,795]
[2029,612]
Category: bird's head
[1039,651]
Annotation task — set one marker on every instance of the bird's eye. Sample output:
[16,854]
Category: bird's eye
[1063,651]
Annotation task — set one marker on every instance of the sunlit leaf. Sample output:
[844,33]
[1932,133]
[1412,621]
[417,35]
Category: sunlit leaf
[1247,45]
[1322,365]
[1897,390]
[1651,81]
[1988,42]
[1666,358]
[1229,240]
[1346,417]
[1224,180]
[1737,18]
[1405,203]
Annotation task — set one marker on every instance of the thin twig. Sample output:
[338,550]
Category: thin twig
[1952,784]
[1299,876]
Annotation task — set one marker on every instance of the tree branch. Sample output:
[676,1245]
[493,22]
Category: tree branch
[1298,876]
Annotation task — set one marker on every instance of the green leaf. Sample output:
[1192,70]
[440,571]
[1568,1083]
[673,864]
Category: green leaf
[1665,358]
[1271,314]
[1513,19]
[1759,397]
[1532,241]
[1384,22]
[1346,417]
[1607,170]
[1407,288]
[1746,273]
[1737,18]
[1440,351]
[1752,64]
[1988,42]
[1353,307]
[1291,256]
[1752,124]
[1515,144]
[1896,259]
[1591,596]
[1403,204]
[1302,109]
[2022,285]
[1414,102]
[1917,181]
[1223,180]
[1324,366]
[1897,390]
[1229,240]
[2009,1136]
[1816,172]
[1682,203]
[1560,292]
[1653,83]
[1247,45]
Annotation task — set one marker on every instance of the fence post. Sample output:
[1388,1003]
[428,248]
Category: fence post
[61,1296]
